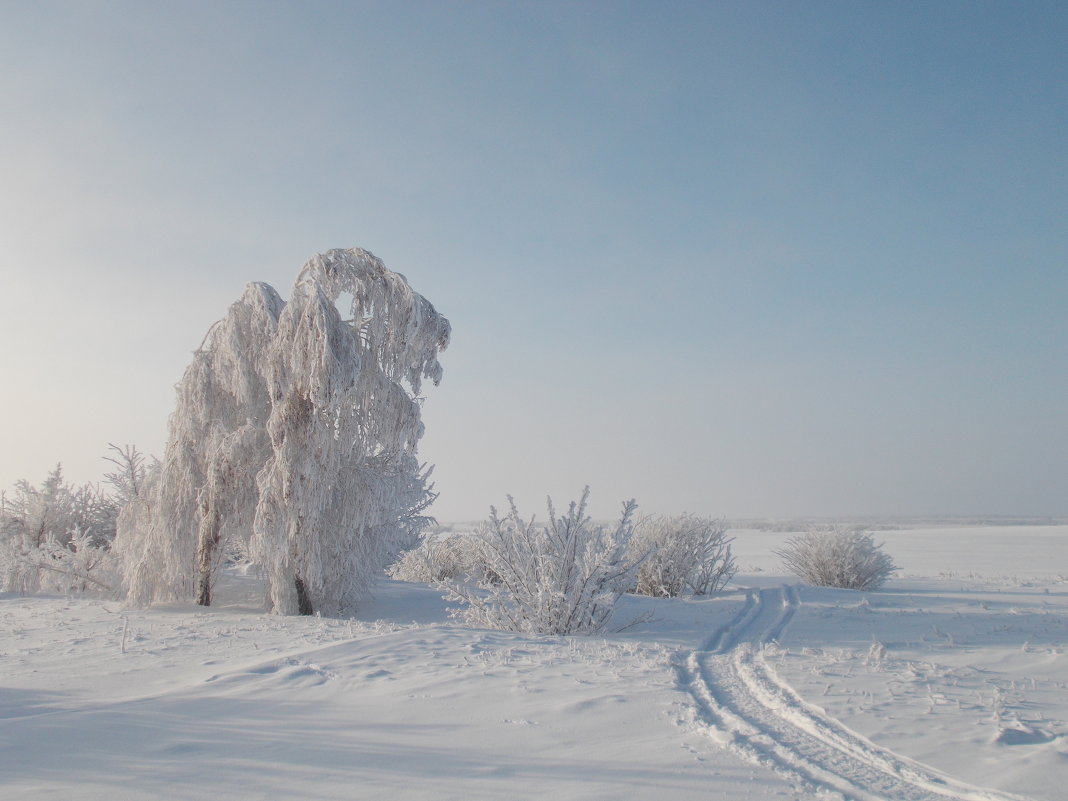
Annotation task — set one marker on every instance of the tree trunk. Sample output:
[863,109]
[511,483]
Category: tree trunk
[203,591]
[304,604]
[208,540]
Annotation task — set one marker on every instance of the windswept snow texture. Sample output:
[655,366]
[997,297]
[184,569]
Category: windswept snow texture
[949,683]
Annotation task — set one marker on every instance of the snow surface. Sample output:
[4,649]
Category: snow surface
[949,683]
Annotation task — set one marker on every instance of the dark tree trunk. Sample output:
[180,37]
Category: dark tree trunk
[304,604]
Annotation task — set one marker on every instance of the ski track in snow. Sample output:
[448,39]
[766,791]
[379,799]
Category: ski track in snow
[744,705]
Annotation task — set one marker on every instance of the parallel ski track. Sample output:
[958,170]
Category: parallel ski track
[747,707]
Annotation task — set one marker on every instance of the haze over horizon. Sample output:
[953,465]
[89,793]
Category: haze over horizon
[737,259]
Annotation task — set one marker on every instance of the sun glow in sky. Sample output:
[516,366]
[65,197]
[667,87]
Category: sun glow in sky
[727,258]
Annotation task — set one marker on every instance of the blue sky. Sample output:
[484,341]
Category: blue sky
[734,259]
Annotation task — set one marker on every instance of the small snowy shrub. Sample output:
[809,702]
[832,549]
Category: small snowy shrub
[56,538]
[79,565]
[833,557]
[57,509]
[683,555]
[440,558]
[560,578]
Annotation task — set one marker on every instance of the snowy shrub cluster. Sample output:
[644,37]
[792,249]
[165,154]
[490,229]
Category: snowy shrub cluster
[56,538]
[834,557]
[441,557]
[79,565]
[681,555]
[57,510]
[560,578]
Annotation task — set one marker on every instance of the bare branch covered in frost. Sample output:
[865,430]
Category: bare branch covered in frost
[128,480]
[561,578]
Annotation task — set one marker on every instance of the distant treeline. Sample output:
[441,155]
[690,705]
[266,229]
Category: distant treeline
[889,523]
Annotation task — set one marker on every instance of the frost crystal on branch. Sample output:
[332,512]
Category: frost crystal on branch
[294,439]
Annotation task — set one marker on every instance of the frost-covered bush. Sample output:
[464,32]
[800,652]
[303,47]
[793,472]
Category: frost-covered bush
[440,558]
[561,578]
[834,557]
[57,509]
[79,565]
[681,555]
[56,538]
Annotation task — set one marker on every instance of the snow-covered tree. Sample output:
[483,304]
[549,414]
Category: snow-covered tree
[205,491]
[294,437]
[342,487]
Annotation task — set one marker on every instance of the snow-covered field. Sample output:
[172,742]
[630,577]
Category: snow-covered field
[949,683]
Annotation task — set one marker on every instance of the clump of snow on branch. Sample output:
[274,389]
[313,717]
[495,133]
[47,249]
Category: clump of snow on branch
[835,557]
[294,441]
[681,555]
[563,577]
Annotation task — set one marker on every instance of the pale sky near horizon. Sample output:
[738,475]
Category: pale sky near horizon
[738,259]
